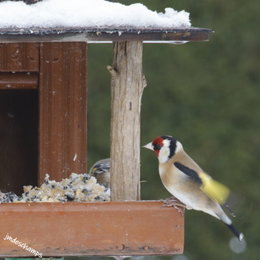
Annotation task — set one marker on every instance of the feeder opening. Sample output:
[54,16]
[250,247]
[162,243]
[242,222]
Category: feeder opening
[18,139]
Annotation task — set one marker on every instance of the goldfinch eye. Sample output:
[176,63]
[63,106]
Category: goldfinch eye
[156,147]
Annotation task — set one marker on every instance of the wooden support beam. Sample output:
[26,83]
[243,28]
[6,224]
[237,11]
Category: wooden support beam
[103,228]
[127,86]
[18,80]
[62,97]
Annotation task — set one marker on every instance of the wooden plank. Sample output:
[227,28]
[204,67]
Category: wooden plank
[18,80]
[103,34]
[126,92]
[62,109]
[104,228]
[19,57]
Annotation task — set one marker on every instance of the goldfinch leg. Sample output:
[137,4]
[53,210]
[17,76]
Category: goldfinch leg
[174,202]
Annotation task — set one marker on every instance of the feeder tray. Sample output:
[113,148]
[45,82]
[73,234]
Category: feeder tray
[104,228]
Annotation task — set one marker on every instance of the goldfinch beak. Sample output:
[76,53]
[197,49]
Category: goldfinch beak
[148,146]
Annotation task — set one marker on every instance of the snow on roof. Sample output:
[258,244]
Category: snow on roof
[88,13]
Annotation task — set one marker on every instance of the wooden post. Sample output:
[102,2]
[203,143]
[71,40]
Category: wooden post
[127,86]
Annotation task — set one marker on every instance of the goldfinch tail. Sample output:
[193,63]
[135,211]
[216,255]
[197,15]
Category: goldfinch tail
[237,233]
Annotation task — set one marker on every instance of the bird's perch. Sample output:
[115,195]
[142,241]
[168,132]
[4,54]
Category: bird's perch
[104,228]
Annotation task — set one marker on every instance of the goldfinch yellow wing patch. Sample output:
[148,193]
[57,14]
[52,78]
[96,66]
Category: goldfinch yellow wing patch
[213,189]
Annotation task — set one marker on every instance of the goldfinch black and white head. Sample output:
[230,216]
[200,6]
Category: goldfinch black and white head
[164,147]
[186,181]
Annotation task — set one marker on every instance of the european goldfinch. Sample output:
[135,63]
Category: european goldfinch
[186,181]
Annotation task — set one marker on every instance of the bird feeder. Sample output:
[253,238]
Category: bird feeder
[43,94]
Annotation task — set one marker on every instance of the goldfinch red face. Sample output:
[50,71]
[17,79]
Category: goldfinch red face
[164,147]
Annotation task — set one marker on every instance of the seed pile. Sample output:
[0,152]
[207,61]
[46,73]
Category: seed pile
[78,188]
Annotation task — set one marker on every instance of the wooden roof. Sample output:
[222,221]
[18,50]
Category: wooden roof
[173,35]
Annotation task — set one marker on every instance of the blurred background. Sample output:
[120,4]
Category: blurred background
[207,95]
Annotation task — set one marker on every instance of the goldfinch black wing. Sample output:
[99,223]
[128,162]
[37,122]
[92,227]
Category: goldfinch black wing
[188,171]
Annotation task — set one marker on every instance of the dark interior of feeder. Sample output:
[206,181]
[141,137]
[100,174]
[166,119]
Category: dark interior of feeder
[18,139]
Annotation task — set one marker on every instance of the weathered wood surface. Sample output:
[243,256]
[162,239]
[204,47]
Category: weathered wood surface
[104,228]
[58,72]
[23,57]
[103,34]
[18,80]
[62,97]
[127,86]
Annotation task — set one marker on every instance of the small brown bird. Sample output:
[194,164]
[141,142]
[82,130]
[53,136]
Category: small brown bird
[101,171]
[186,181]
